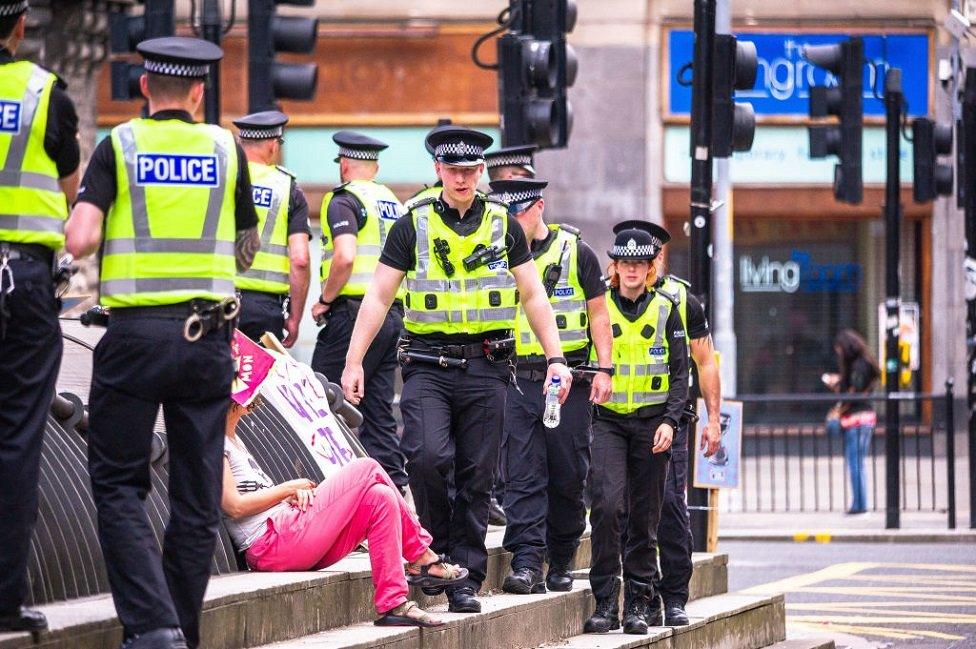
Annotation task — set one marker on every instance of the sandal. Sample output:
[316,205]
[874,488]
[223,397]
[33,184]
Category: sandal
[399,617]
[424,579]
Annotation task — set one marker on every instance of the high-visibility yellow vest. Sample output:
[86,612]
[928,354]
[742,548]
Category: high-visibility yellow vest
[678,289]
[423,194]
[169,236]
[382,210]
[568,302]
[272,199]
[32,206]
[641,353]
[470,302]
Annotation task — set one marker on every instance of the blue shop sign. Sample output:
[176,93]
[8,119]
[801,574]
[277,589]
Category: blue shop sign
[784,77]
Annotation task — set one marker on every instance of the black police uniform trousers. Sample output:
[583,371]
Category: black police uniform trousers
[674,529]
[261,312]
[378,433]
[625,478]
[30,356]
[139,364]
[545,471]
[452,427]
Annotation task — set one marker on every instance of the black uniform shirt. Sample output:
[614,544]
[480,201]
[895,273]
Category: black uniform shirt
[298,213]
[61,138]
[697,321]
[99,186]
[346,215]
[399,252]
[587,265]
[677,361]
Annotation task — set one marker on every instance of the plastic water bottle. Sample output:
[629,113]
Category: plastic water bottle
[550,415]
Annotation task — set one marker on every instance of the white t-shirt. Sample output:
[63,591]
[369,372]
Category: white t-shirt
[249,478]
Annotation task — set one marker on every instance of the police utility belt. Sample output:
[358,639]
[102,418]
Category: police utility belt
[201,316]
[61,271]
[454,356]
[536,368]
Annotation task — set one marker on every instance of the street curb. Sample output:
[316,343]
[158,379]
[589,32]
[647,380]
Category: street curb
[851,536]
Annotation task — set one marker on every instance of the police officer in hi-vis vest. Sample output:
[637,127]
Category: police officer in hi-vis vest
[545,468]
[38,177]
[360,213]
[277,283]
[632,432]
[167,203]
[511,162]
[467,270]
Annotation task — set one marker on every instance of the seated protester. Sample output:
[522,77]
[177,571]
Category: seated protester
[297,526]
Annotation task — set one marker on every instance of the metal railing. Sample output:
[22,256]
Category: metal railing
[790,463]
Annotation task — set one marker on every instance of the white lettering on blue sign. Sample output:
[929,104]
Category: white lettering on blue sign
[657,351]
[496,265]
[9,117]
[262,196]
[388,210]
[173,169]
[565,291]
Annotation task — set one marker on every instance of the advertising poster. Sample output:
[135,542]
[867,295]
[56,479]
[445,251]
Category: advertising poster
[722,470]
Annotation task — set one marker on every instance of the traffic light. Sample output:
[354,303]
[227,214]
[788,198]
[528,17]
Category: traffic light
[733,123]
[931,178]
[536,67]
[268,33]
[846,62]
[126,30]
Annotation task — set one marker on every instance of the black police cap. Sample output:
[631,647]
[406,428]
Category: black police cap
[10,8]
[358,146]
[458,146]
[512,156]
[179,56]
[517,190]
[266,125]
[638,240]
[442,124]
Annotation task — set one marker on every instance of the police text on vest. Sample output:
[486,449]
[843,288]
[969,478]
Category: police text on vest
[171,169]
[262,196]
[9,116]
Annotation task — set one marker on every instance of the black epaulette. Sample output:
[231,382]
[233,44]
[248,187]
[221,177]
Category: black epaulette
[570,229]
[59,83]
[286,172]
[411,205]
[338,188]
[680,280]
[674,298]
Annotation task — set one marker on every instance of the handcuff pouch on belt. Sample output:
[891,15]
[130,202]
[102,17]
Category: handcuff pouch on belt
[690,415]
[209,316]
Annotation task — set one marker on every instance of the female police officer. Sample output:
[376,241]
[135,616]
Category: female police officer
[632,432]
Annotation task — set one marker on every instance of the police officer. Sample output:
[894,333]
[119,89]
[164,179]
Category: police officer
[545,468]
[466,261]
[632,432]
[173,199]
[511,162]
[674,529]
[431,191]
[39,175]
[360,213]
[277,282]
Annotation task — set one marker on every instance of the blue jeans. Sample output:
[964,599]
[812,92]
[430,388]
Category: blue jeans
[856,441]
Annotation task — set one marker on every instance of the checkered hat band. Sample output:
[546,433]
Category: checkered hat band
[262,133]
[520,197]
[170,69]
[509,161]
[359,154]
[13,10]
[459,150]
[637,251]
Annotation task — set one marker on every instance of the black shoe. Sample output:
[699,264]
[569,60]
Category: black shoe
[433,591]
[558,579]
[637,601]
[170,638]
[606,616]
[496,515]
[462,600]
[674,615]
[655,615]
[524,581]
[23,619]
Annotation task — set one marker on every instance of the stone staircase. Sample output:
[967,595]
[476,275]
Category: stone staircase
[333,609]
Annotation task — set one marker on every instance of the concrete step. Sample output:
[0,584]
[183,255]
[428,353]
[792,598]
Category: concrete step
[250,609]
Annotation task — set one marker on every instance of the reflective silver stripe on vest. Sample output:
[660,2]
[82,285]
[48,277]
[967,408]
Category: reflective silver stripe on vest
[423,246]
[27,223]
[143,241]
[29,180]
[653,369]
[360,278]
[168,285]
[192,246]
[662,324]
[565,336]
[571,305]
[455,285]
[274,249]
[360,250]
[28,107]
[492,313]
[642,398]
[269,223]
[268,275]
[433,317]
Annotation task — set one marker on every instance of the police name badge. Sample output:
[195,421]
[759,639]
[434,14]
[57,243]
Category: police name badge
[501,264]
[262,196]
[176,170]
[9,116]
[388,210]
[657,351]
[564,291]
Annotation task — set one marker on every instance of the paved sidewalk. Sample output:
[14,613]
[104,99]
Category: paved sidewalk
[827,527]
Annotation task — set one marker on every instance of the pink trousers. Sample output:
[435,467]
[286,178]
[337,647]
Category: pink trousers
[359,502]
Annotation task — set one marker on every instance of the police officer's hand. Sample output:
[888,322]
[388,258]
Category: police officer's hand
[352,383]
[565,380]
[318,312]
[711,438]
[662,438]
[601,388]
[291,327]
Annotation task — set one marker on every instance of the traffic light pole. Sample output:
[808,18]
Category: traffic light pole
[968,146]
[701,216]
[892,214]
[211,24]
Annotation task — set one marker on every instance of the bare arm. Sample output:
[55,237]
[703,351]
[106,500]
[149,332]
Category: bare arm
[236,505]
[344,254]
[298,281]
[69,185]
[246,246]
[602,337]
[83,231]
[710,382]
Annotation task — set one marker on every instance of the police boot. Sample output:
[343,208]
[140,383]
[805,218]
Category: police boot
[167,638]
[523,581]
[23,619]
[675,615]
[496,515]
[606,615]
[462,600]
[558,578]
[637,604]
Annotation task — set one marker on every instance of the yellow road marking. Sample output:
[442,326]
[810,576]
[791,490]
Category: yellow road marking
[912,579]
[882,632]
[795,583]
[905,618]
[920,593]
[839,606]
[819,537]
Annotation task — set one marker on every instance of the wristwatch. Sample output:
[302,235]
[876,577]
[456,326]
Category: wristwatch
[606,370]
[556,359]
[323,302]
